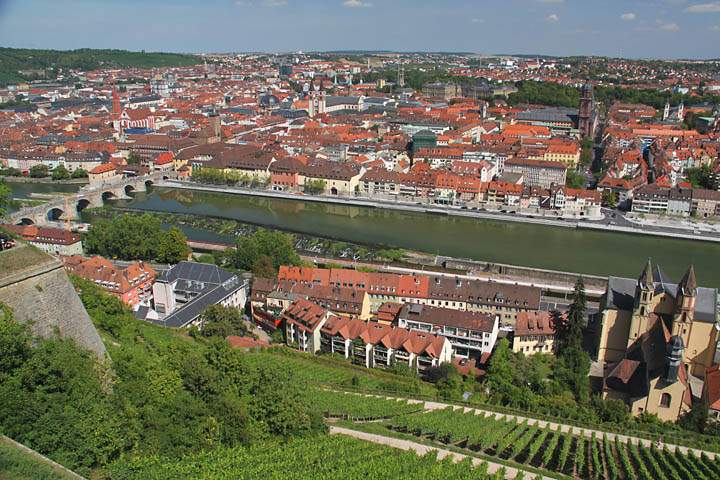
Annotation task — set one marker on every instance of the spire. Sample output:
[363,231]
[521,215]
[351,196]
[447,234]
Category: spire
[688,284]
[646,277]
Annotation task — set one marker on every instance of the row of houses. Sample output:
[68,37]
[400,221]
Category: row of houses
[312,328]
[679,201]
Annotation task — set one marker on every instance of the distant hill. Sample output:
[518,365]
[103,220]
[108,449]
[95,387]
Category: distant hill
[23,64]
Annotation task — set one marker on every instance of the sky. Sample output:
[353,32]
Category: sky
[626,28]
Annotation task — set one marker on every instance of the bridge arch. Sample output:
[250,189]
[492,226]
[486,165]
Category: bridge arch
[82,204]
[108,196]
[129,189]
[149,183]
[55,213]
[26,221]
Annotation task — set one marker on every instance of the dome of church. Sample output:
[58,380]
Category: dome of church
[269,100]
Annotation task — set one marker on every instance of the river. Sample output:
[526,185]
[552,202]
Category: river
[556,248]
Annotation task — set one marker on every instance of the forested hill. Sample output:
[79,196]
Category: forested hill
[20,64]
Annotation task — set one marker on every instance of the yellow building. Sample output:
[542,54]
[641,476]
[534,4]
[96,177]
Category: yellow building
[534,333]
[654,336]
[569,154]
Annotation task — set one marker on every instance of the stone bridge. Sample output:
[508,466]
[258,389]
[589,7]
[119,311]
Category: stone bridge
[68,207]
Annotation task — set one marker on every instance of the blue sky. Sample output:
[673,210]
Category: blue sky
[630,28]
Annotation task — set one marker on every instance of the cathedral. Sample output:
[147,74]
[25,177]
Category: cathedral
[656,341]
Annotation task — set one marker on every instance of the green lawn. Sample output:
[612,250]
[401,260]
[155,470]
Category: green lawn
[16,464]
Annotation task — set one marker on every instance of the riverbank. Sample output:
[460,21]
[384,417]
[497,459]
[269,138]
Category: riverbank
[604,224]
[71,181]
[584,251]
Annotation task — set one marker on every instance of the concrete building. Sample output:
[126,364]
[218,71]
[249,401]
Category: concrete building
[182,293]
[537,173]
[470,333]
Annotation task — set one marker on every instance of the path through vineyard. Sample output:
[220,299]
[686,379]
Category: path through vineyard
[586,432]
[420,449]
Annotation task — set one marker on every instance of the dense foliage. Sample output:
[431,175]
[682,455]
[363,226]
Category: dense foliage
[701,177]
[262,252]
[164,394]
[13,60]
[221,321]
[4,197]
[545,93]
[219,176]
[557,95]
[131,237]
[321,457]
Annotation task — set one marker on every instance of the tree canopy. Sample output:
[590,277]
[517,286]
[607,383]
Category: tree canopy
[136,237]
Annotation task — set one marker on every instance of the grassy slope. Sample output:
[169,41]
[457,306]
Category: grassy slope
[16,464]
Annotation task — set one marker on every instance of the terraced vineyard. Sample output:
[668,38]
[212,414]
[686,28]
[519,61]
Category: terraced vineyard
[564,453]
[318,457]
[323,370]
[358,407]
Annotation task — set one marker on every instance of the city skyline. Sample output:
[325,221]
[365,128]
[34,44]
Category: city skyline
[633,29]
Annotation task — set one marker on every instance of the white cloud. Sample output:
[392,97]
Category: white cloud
[715,28]
[242,3]
[357,4]
[669,27]
[553,17]
[274,3]
[551,1]
[478,20]
[713,7]
[628,17]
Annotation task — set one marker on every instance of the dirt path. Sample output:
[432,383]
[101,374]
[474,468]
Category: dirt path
[421,449]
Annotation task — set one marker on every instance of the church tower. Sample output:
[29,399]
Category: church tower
[586,114]
[685,305]
[644,292]
[401,76]
[666,111]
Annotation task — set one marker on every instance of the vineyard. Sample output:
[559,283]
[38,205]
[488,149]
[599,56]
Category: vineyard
[315,370]
[318,457]
[563,453]
[357,407]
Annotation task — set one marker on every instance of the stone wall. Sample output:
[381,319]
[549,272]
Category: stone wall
[44,296]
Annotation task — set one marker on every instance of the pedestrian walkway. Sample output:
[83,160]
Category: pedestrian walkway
[421,449]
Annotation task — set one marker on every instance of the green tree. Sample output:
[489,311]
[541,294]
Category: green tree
[173,246]
[314,186]
[4,197]
[574,179]
[39,171]
[609,198]
[263,267]
[275,245]
[136,237]
[133,159]
[60,173]
[79,173]
[222,321]
[573,365]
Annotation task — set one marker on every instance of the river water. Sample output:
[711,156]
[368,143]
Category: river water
[556,248]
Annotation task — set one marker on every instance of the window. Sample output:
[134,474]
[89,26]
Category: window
[665,400]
